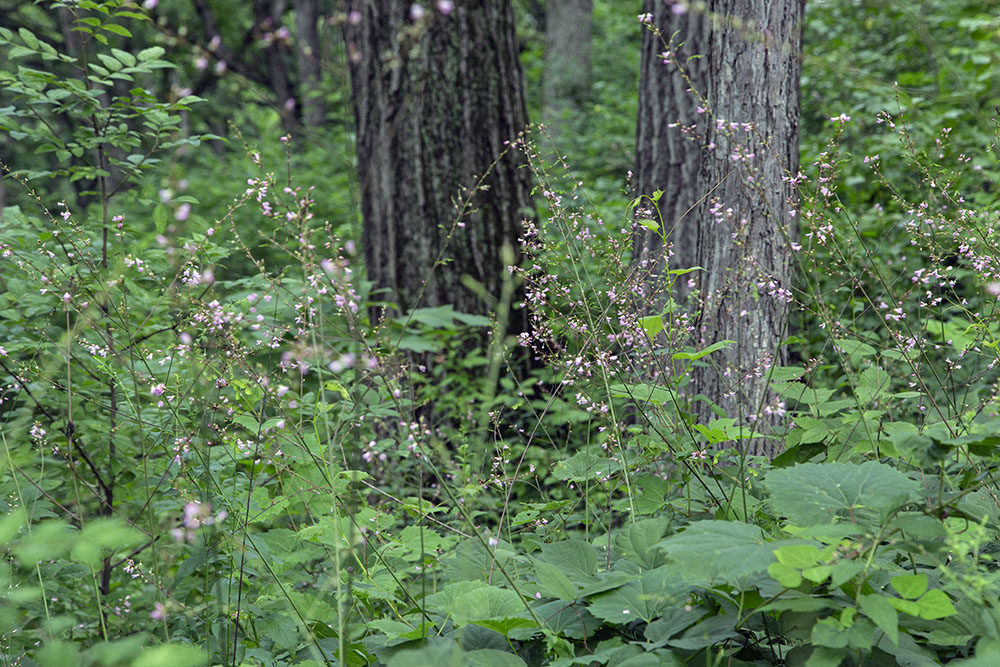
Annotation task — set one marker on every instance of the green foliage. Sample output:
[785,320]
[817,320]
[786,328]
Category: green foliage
[213,454]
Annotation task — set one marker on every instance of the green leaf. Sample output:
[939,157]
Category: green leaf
[491,657]
[855,348]
[124,57]
[715,552]
[553,583]
[487,603]
[798,555]
[574,557]
[910,586]
[152,53]
[786,575]
[828,632]
[812,493]
[652,325]
[643,600]
[935,604]
[28,38]
[799,603]
[116,29]
[171,655]
[282,629]
[694,356]
[817,574]
[872,384]
[638,542]
[885,616]
[584,466]
[644,392]
[906,606]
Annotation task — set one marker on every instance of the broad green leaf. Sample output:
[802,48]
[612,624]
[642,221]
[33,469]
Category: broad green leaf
[935,604]
[553,583]
[828,632]
[786,575]
[797,555]
[873,383]
[812,493]
[171,655]
[910,586]
[584,466]
[712,631]
[652,325]
[437,653]
[885,616]
[855,348]
[817,574]
[491,657]
[906,606]
[282,629]
[566,620]
[672,621]
[786,373]
[644,599]
[717,552]
[799,603]
[638,542]
[574,557]
[485,603]
[644,392]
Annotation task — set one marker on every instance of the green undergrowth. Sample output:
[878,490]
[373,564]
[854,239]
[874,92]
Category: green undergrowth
[216,451]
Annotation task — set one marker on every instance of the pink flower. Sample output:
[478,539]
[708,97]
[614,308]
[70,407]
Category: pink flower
[445,6]
[183,212]
[417,12]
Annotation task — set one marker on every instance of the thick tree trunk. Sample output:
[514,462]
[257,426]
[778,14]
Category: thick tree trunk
[308,56]
[437,97]
[567,55]
[727,195]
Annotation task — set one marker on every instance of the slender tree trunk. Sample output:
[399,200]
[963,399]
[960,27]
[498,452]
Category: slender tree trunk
[567,56]
[309,57]
[727,194]
[437,97]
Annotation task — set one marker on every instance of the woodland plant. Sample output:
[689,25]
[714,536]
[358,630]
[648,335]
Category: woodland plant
[214,454]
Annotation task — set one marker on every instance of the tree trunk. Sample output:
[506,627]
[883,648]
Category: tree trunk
[437,97]
[308,56]
[727,197]
[567,56]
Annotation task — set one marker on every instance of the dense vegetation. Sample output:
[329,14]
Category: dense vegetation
[214,454]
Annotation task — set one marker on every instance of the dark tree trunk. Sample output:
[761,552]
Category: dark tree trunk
[567,55]
[308,55]
[748,73]
[437,98]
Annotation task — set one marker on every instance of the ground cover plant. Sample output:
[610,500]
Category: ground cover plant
[217,452]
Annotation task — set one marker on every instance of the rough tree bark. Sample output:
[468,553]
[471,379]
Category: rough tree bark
[567,55]
[308,56]
[436,99]
[748,73]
